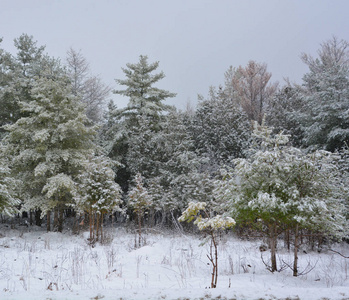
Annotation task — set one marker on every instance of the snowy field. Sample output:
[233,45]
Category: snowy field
[39,265]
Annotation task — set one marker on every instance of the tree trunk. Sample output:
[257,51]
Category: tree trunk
[152,217]
[139,229]
[38,220]
[312,241]
[97,226]
[60,219]
[273,237]
[30,217]
[91,225]
[296,245]
[287,239]
[101,226]
[55,219]
[48,225]
[216,262]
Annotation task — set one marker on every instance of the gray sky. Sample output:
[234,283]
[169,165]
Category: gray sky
[195,40]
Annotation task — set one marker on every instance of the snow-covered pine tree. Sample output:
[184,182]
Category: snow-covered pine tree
[8,107]
[220,129]
[326,97]
[343,165]
[144,98]
[97,193]
[49,145]
[284,111]
[16,75]
[139,200]
[280,187]
[8,201]
[145,108]
[178,179]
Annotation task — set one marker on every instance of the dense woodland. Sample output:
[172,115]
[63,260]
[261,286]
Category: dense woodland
[272,157]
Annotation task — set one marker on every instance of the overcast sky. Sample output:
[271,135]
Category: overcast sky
[195,41]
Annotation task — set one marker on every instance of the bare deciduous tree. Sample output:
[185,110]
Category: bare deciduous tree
[91,89]
[251,88]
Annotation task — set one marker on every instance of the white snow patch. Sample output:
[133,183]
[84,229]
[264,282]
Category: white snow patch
[40,265]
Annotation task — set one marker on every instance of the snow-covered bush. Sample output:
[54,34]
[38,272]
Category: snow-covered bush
[97,193]
[210,225]
[139,200]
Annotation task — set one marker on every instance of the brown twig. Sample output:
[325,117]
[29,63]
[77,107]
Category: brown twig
[338,253]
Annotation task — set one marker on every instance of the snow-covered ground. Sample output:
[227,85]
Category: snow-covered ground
[39,265]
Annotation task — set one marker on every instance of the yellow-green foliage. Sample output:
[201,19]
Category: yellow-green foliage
[214,223]
[217,222]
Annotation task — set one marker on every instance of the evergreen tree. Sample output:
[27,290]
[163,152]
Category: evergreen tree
[131,128]
[97,193]
[144,98]
[49,146]
[178,178]
[8,107]
[220,129]
[281,187]
[8,201]
[343,165]
[326,98]
[139,200]
[284,111]
[17,74]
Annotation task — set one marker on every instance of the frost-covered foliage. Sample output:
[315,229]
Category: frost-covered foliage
[144,98]
[326,99]
[176,178]
[283,113]
[316,113]
[220,129]
[50,144]
[343,165]
[279,183]
[140,201]
[58,186]
[211,223]
[151,138]
[281,187]
[8,200]
[166,159]
[17,73]
[97,191]
[192,211]
[141,153]
[129,130]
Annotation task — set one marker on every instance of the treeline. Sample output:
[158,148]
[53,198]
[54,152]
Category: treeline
[65,152]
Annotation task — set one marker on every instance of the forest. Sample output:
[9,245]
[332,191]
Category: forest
[254,156]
